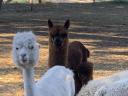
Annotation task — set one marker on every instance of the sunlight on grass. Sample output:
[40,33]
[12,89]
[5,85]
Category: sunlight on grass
[19,92]
[7,78]
[119,49]
[6,34]
[102,74]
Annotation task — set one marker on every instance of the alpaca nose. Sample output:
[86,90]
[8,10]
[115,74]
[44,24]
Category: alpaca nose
[58,41]
[23,56]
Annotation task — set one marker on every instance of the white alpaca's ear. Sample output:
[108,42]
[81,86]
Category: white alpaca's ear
[38,45]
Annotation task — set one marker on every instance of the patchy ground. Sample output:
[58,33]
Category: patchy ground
[101,27]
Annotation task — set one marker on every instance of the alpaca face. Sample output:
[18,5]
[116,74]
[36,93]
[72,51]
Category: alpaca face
[25,50]
[58,35]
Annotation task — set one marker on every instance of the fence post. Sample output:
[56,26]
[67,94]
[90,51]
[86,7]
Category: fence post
[94,1]
[40,1]
[1,1]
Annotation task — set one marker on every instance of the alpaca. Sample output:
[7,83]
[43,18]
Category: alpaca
[57,81]
[58,43]
[83,70]
[93,85]
[118,88]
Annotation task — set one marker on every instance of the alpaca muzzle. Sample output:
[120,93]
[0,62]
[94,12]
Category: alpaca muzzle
[57,41]
[23,58]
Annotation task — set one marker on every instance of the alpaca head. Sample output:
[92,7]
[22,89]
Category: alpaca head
[25,50]
[58,35]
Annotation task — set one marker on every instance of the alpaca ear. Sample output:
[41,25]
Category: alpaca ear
[88,53]
[50,24]
[67,24]
[38,45]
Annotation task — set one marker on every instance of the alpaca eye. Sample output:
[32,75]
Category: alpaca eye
[64,35]
[31,47]
[52,37]
[17,48]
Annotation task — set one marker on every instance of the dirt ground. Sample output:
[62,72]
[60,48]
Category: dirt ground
[101,27]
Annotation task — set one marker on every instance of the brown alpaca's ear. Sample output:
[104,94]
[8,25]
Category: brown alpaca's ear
[50,24]
[67,24]
[88,53]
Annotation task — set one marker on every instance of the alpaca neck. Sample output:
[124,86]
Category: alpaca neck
[28,76]
[57,56]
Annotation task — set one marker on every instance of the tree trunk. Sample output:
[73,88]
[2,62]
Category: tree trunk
[40,1]
[31,4]
[94,1]
[1,1]
[31,7]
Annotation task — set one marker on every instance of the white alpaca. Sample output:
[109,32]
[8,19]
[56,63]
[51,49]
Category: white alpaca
[94,85]
[118,88]
[57,81]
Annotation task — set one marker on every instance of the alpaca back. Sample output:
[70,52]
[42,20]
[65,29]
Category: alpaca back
[93,85]
[57,81]
[78,51]
[77,61]
[118,88]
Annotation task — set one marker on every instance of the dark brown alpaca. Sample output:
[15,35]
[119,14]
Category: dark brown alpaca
[58,43]
[77,61]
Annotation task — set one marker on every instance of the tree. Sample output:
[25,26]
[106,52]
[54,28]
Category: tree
[31,4]
[94,1]
[40,1]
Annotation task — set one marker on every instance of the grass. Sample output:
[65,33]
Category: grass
[18,1]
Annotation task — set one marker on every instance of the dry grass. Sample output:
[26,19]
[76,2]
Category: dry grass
[102,27]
